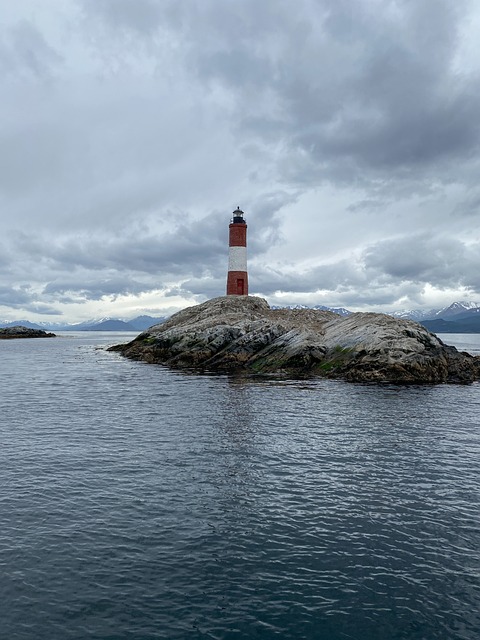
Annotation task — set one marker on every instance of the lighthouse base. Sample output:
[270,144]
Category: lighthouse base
[237,283]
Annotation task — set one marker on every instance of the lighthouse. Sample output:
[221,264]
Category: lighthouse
[237,279]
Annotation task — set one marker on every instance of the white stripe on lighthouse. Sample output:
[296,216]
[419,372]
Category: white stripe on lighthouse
[237,258]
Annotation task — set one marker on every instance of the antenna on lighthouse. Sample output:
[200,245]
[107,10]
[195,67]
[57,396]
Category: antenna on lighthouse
[237,278]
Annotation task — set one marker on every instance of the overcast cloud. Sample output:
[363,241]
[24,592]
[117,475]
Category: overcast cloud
[348,132]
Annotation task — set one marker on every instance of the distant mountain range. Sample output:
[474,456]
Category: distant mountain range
[140,323]
[459,317]
[320,307]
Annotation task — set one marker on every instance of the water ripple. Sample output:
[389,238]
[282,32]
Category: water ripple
[141,503]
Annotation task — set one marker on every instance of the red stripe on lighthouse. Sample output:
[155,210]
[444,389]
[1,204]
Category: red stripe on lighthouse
[238,235]
[237,278]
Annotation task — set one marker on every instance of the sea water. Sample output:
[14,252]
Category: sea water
[141,503]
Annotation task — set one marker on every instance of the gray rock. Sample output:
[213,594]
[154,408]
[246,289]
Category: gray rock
[242,333]
[23,332]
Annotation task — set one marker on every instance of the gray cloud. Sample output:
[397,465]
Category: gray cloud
[25,299]
[14,297]
[142,16]
[24,51]
[445,262]
[348,132]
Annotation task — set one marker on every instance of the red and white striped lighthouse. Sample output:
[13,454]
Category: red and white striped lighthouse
[237,279]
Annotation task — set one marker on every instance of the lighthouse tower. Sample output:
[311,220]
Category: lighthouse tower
[237,279]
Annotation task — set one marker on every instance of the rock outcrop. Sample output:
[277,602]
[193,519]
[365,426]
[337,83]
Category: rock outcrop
[23,332]
[242,333]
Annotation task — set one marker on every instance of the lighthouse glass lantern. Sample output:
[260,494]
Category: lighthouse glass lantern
[237,278]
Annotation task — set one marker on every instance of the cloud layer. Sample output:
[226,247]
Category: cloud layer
[130,129]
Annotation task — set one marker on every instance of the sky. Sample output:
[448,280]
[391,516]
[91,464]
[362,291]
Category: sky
[347,131]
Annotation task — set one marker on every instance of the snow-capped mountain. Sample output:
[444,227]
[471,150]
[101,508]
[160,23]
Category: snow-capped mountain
[454,310]
[319,307]
[22,323]
[457,311]
[414,314]
[458,308]
[340,310]
[139,323]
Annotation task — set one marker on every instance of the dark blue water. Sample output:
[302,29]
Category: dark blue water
[139,503]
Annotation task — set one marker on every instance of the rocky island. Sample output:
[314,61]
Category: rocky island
[242,333]
[9,333]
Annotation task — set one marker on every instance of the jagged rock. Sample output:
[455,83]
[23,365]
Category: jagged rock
[243,333]
[23,332]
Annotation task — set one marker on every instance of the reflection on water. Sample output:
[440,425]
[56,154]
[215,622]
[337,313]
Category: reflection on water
[141,503]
